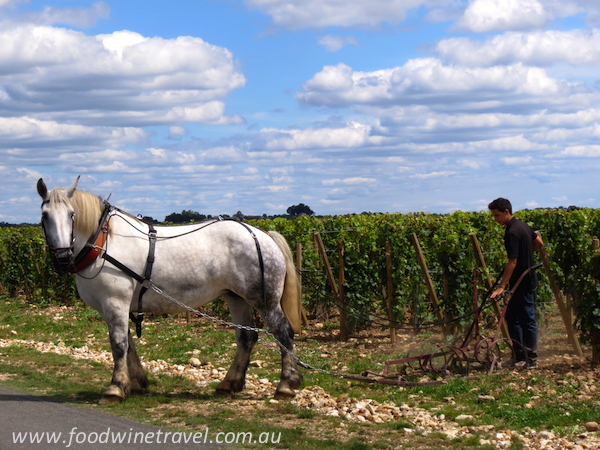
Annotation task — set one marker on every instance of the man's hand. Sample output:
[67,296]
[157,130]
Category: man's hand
[508,271]
[497,292]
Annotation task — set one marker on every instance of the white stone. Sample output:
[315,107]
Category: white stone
[464,417]
[195,362]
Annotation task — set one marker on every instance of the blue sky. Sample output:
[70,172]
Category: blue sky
[221,106]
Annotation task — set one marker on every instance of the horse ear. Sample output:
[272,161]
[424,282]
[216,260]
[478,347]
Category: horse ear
[71,189]
[42,189]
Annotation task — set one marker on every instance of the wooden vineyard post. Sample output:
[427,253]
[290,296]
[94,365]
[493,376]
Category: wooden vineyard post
[558,295]
[390,290]
[321,309]
[450,325]
[316,244]
[595,331]
[299,267]
[569,307]
[343,312]
[488,280]
[334,288]
[428,280]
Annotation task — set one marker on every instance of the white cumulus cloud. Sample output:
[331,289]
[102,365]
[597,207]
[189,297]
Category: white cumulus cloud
[425,81]
[541,48]
[582,151]
[299,14]
[335,43]
[349,181]
[14,130]
[443,173]
[493,15]
[516,160]
[353,135]
[120,78]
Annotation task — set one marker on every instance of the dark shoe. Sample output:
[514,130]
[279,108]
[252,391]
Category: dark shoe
[520,365]
[532,364]
[514,364]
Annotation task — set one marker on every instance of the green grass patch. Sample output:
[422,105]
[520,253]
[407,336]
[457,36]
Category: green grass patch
[537,400]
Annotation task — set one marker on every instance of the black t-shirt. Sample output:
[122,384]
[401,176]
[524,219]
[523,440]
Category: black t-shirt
[518,241]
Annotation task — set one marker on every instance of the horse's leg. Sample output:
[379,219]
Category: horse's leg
[137,375]
[241,314]
[291,377]
[118,332]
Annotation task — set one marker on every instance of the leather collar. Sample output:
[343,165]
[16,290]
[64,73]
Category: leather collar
[93,247]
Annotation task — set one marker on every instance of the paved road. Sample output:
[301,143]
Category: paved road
[30,422]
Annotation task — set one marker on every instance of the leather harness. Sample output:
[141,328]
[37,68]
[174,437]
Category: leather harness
[144,281]
[94,248]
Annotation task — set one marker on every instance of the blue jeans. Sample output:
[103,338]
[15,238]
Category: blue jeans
[522,324]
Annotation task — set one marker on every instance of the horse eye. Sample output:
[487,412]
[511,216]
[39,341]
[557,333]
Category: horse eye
[44,215]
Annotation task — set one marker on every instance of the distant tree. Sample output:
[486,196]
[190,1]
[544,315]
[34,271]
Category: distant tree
[185,217]
[149,219]
[18,225]
[300,210]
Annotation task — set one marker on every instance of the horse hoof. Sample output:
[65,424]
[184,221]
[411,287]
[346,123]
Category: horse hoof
[108,399]
[285,396]
[137,388]
[296,380]
[138,391]
[284,393]
[224,392]
[114,391]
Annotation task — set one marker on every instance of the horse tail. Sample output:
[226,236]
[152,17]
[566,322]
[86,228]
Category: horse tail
[290,300]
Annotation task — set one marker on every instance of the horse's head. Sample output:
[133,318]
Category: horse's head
[58,217]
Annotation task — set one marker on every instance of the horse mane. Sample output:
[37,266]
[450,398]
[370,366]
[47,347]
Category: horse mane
[88,211]
[88,208]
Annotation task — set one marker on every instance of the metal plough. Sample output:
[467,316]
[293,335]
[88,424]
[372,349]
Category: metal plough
[429,358]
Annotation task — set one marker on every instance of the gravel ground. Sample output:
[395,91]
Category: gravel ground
[358,410]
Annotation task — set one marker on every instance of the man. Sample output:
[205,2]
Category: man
[520,243]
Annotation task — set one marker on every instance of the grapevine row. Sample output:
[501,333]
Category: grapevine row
[25,267]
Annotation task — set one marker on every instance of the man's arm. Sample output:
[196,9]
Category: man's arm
[508,271]
[537,243]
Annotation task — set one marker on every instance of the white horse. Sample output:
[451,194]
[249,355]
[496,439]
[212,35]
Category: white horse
[111,251]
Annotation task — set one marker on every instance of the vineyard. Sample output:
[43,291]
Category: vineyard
[377,254]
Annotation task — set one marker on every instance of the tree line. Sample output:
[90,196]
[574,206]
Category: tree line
[189,216]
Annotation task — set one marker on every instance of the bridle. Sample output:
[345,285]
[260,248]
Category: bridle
[62,257]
